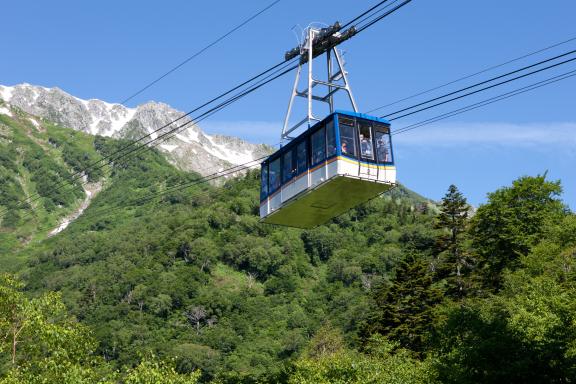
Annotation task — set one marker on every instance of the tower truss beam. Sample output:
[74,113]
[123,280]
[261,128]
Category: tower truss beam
[318,42]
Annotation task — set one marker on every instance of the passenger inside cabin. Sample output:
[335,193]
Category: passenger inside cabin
[365,146]
[381,150]
[344,148]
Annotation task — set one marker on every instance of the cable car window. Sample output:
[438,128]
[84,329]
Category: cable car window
[264,182]
[318,146]
[365,135]
[301,157]
[383,147]
[330,139]
[345,121]
[274,176]
[347,142]
[288,168]
[381,128]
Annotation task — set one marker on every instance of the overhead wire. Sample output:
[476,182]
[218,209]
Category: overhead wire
[385,14]
[488,101]
[479,90]
[350,22]
[249,164]
[434,119]
[231,170]
[474,74]
[375,13]
[425,122]
[461,110]
[467,108]
[199,52]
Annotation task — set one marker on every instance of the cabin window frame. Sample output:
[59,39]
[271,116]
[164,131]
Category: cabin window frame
[318,133]
[362,124]
[384,130]
[264,181]
[297,151]
[330,127]
[346,138]
[271,187]
[288,173]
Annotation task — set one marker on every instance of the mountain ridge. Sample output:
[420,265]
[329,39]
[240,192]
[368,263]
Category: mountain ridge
[190,149]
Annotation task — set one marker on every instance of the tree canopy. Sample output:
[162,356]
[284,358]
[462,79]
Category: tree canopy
[188,286]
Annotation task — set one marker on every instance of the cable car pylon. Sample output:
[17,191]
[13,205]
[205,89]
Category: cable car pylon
[318,41]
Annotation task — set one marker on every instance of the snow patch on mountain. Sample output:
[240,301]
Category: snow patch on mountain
[167,147]
[5,111]
[34,122]
[228,154]
[6,93]
[107,119]
[90,190]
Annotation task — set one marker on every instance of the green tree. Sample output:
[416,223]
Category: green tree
[512,222]
[453,260]
[527,335]
[42,344]
[152,371]
[135,271]
[384,363]
[327,341]
[403,310]
[524,334]
[11,219]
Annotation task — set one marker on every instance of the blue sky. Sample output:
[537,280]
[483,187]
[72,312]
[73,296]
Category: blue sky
[108,50]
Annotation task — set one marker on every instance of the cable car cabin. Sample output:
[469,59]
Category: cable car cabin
[340,162]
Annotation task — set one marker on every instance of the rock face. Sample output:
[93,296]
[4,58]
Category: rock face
[190,149]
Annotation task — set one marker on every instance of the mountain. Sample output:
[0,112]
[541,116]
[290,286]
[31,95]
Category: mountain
[191,274]
[190,149]
[42,189]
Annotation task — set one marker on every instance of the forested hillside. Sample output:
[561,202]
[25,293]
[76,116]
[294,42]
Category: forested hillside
[39,168]
[153,282]
[195,276]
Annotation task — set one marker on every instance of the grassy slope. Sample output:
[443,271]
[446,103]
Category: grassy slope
[35,160]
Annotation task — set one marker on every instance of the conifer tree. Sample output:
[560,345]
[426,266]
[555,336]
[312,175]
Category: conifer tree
[452,259]
[403,311]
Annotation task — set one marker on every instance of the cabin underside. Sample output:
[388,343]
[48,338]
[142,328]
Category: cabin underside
[329,199]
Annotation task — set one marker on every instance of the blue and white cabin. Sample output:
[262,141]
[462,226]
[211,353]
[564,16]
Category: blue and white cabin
[340,162]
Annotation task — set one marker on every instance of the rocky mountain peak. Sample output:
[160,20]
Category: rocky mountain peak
[191,149]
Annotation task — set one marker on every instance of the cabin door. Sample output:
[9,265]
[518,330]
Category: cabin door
[367,168]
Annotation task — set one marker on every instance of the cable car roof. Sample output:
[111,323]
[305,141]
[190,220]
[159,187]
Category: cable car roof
[362,116]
